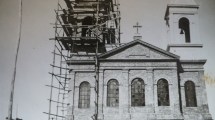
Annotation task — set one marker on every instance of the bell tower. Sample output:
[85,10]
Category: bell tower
[182,21]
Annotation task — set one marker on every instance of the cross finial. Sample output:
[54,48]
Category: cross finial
[137,26]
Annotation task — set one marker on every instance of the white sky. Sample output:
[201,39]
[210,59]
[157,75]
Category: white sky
[35,51]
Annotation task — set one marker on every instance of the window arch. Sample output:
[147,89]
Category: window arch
[137,92]
[113,93]
[184,25]
[163,92]
[84,95]
[190,94]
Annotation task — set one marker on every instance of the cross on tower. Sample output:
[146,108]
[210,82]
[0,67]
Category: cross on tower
[137,26]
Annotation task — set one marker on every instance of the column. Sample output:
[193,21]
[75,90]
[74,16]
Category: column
[123,95]
[71,92]
[149,90]
[101,95]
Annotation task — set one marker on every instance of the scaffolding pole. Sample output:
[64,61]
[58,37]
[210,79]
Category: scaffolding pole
[72,36]
[10,110]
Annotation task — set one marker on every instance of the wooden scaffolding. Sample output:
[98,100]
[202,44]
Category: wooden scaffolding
[89,26]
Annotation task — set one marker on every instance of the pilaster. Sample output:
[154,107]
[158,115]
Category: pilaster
[149,96]
[101,95]
[124,95]
[71,94]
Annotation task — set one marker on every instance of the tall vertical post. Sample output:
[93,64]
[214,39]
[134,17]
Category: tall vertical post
[10,111]
[96,65]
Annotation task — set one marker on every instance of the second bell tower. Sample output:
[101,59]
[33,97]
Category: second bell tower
[182,20]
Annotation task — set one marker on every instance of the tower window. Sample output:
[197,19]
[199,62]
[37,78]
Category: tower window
[113,93]
[163,92]
[190,94]
[137,92]
[86,22]
[184,25]
[84,95]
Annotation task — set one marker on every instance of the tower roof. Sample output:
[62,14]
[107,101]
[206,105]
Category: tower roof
[183,2]
[180,4]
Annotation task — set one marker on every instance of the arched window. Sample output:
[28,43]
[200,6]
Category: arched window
[113,93]
[84,95]
[190,94]
[163,92]
[86,22]
[184,25]
[137,92]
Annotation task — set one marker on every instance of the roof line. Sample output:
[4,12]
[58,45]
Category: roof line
[143,43]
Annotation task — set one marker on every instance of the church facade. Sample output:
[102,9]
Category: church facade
[139,81]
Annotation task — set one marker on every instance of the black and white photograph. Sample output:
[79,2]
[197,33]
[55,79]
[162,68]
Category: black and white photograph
[107,59]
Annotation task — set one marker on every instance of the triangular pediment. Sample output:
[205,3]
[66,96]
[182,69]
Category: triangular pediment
[138,50]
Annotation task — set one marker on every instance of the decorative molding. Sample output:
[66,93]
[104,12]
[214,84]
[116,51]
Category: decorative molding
[184,45]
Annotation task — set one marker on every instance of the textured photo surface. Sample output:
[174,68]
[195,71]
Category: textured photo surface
[107,60]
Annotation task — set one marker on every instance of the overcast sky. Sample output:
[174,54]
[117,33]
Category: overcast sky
[35,50]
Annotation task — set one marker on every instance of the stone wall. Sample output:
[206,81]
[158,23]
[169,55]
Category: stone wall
[150,72]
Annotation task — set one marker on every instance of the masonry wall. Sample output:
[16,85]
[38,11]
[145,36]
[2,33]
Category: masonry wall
[195,73]
[125,72]
[150,72]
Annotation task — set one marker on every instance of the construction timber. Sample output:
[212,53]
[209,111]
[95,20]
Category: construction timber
[81,26]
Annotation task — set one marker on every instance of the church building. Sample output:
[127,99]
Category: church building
[139,81]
